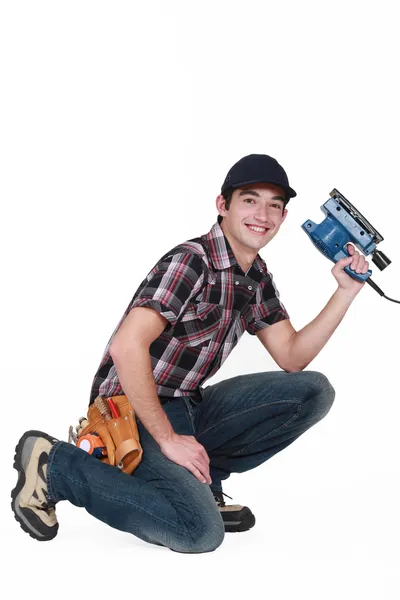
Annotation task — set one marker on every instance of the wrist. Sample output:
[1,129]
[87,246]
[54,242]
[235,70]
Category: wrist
[346,295]
[164,437]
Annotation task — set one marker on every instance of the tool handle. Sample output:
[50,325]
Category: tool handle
[102,406]
[359,276]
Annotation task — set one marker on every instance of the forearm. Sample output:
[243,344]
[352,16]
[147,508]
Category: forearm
[136,377]
[309,341]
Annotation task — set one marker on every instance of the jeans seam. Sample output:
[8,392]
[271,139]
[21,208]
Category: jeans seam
[264,437]
[50,492]
[190,414]
[246,411]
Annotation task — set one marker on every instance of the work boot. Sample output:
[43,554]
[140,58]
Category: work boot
[30,503]
[234,516]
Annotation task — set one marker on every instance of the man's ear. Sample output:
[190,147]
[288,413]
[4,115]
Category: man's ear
[220,203]
[285,212]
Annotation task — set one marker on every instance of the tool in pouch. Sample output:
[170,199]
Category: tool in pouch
[344,224]
[110,433]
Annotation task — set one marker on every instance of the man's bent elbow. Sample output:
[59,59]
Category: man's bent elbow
[121,350]
[293,368]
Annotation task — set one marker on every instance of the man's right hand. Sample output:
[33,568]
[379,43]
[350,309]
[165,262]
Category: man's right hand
[186,451]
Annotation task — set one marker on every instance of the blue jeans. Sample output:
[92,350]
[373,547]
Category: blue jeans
[241,422]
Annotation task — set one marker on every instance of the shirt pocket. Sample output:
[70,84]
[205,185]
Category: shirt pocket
[199,324]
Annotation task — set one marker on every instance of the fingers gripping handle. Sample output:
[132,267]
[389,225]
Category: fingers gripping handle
[358,276]
[343,253]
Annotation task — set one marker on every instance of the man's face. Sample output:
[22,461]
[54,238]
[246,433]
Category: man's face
[257,204]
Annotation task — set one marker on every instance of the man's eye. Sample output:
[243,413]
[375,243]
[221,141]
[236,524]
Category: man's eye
[275,205]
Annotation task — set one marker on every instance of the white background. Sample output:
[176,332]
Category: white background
[119,122]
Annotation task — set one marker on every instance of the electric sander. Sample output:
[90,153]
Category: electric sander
[342,225]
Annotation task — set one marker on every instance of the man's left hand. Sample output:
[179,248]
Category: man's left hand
[357,263]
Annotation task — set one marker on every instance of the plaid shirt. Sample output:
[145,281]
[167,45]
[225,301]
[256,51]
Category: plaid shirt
[208,302]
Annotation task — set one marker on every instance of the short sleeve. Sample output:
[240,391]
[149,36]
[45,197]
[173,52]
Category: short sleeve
[267,309]
[170,285]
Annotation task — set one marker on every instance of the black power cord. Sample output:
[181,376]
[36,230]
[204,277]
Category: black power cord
[378,289]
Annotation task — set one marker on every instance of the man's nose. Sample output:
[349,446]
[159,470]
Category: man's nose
[263,213]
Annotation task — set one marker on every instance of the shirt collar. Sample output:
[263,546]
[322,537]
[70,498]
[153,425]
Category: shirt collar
[222,254]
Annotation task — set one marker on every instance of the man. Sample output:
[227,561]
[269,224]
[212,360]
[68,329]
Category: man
[183,321]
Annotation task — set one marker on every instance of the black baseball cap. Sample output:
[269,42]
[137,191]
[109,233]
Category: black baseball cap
[257,168]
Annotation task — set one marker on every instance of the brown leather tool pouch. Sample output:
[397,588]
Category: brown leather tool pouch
[120,435]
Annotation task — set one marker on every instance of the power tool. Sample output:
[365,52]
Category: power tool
[342,225]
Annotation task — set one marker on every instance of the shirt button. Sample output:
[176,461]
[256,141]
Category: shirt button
[249,287]
[236,283]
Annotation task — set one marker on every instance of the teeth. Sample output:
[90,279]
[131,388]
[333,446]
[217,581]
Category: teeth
[260,229]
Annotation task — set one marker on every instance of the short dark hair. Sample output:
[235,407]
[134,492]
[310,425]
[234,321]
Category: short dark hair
[228,199]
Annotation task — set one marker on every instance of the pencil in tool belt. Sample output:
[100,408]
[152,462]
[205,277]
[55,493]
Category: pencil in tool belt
[113,408]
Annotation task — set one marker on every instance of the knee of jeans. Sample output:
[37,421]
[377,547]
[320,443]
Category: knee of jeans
[206,538]
[323,394]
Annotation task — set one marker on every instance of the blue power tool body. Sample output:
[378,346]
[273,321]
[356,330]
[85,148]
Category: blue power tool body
[344,224]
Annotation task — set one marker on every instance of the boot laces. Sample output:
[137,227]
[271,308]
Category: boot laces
[219,499]
[47,504]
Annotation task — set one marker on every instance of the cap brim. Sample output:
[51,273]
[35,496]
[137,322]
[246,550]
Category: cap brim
[290,191]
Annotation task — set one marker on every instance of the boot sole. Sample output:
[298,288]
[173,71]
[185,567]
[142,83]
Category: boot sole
[37,524]
[247,521]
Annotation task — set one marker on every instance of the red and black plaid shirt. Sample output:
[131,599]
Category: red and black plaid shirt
[208,302]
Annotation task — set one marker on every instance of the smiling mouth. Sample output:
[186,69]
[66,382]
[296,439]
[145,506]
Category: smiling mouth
[258,230]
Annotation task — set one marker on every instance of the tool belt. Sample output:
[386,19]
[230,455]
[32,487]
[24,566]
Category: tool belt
[119,435]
